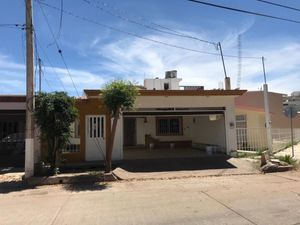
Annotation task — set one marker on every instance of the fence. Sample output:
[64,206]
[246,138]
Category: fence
[255,139]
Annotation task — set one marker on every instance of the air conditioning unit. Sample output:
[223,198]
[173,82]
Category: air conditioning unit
[171,74]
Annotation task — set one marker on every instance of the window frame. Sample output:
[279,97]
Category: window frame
[241,121]
[168,118]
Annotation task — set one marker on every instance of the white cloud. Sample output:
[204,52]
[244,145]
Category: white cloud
[134,59]
[138,57]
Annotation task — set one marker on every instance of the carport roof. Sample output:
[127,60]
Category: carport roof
[174,111]
[91,92]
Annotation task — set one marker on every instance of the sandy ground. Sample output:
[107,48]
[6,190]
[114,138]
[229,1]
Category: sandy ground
[288,151]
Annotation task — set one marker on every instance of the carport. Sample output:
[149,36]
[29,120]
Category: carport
[173,132]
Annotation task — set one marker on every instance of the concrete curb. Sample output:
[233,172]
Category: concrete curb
[120,177]
[64,179]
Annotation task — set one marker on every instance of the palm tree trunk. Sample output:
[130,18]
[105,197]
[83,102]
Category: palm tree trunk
[111,145]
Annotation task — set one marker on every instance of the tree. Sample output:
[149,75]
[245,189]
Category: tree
[54,113]
[117,95]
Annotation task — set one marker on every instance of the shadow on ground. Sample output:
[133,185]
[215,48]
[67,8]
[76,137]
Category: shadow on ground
[78,187]
[176,164]
[13,186]
[4,170]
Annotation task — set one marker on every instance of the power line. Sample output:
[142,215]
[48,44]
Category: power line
[11,25]
[141,37]
[60,19]
[141,18]
[57,46]
[279,5]
[245,11]
[118,15]
[50,64]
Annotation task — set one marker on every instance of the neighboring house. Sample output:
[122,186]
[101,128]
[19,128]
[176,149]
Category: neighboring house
[164,117]
[12,130]
[293,99]
[250,121]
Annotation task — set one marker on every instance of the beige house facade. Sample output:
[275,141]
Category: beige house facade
[161,119]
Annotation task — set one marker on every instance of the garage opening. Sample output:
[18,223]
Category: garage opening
[173,133]
[12,138]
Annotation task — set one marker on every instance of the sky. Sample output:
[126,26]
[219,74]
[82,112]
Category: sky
[111,39]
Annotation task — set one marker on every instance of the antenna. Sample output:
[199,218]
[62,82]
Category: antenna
[239,73]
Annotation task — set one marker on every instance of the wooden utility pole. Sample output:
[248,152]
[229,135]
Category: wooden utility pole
[29,141]
[40,75]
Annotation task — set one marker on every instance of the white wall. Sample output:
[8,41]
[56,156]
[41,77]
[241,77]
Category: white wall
[117,153]
[205,131]
[158,84]
[198,129]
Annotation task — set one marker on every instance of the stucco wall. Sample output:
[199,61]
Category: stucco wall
[254,101]
[117,153]
[256,132]
[198,129]
[194,102]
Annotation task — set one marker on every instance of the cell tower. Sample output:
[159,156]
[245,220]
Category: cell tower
[239,73]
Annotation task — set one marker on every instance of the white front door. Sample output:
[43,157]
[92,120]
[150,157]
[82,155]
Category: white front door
[95,138]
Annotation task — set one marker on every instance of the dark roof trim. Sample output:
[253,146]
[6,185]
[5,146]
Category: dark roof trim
[12,98]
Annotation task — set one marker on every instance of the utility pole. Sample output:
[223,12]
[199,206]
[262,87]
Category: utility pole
[29,141]
[227,79]
[40,75]
[267,111]
[292,133]
[221,52]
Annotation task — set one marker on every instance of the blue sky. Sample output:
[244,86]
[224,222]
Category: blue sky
[96,55]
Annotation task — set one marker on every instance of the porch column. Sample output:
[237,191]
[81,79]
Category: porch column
[231,141]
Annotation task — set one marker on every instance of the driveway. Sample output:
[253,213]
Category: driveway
[170,168]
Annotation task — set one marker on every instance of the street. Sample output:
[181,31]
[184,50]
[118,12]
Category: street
[242,199]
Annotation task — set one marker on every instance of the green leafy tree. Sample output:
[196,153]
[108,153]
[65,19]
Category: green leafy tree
[54,113]
[117,95]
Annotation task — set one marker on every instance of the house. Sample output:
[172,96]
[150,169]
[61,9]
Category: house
[12,130]
[164,118]
[293,99]
[250,121]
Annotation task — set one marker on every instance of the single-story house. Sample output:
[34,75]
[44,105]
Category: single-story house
[162,118]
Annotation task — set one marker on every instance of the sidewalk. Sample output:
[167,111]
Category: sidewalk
[288,151]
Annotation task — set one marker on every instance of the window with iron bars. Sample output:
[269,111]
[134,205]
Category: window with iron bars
[169,126]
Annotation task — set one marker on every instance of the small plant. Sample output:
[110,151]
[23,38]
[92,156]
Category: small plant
[289,144]
[288,159]
[95,173]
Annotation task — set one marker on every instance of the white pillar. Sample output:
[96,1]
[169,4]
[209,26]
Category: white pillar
[231,142]
[29,157]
